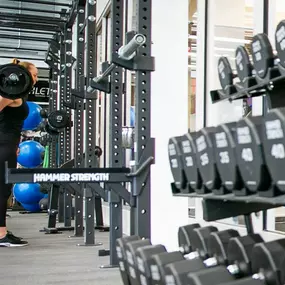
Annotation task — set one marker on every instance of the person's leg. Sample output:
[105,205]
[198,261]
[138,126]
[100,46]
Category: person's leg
[7,153]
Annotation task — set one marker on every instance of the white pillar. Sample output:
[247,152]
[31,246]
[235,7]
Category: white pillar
[169,110]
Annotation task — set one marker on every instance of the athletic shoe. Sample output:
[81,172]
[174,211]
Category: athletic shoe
[9,241]
[13,236]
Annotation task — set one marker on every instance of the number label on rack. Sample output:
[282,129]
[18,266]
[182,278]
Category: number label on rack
[243,135]
[256,48]
[221,140]
[174,163]
[171,150]
[204,159]
[186,147]
[189,161]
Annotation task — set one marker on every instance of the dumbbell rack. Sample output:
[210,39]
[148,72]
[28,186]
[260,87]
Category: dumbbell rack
[271,85]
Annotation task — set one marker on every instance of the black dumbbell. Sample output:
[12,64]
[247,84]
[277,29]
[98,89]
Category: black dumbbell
[226,75]
[273,145]
[210,251]
[176,164]
[226,248]
[264,59]
[225,157]
[206,160]
[250,155]
[189,161]
[154,263]
[184,237]
[265,266]
[122,258]
[131,260]
[280,43]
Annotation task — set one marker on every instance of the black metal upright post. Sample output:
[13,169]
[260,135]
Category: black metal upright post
[144,143]
[66,145]
[79,117]
[54,193]
[115,138]
[90,122]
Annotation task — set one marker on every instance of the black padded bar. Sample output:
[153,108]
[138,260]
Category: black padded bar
[33,10]
[43,2]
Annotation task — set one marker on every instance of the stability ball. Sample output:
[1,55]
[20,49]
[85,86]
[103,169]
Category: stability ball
[31,207]
[31,154]
[132,116]
[28,193]
[34,118]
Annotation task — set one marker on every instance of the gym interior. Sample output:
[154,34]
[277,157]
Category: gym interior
[129,186]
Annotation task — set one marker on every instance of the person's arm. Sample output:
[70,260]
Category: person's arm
[4,102]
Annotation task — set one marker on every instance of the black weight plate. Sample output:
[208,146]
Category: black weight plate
[189,162]
[243,65]
[58,119]
[262,54]
[280,42]
[206,158]
[18,88]
[175,161]
[225,156]
[249,153]
[239,252]
[225,72]
[273,145]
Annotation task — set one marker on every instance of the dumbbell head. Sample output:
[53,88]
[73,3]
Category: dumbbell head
[249,154]
[175,160]
[58,120]
[225,73]
[239,254]
[218,247]
[184,237]
[189,161]
[273,145]
[159,263]
[144,256]
[280,42]
[206,158]
[199,241]
[267,261]
[15,81]
[225,156]
[262,54]
[44,113]
[214,276]
[243,64]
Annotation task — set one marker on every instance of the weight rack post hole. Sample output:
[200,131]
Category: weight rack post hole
[81,176]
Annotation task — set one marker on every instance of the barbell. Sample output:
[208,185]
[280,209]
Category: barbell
[15,81]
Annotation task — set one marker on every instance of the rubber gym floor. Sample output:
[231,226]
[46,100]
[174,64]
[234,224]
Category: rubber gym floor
[53,259]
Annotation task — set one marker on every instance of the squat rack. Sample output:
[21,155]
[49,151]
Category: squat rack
[59,57]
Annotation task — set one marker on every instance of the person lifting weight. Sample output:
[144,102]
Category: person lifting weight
[12,116]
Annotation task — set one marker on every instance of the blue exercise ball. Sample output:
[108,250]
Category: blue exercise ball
[34,118]
[31,154]
[132,116]
[31,207]
[28,193]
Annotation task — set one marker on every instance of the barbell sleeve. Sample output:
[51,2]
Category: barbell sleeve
[127,52]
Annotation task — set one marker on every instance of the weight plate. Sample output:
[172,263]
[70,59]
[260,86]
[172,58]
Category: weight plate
[225,156]
[262,54]
[243,65]
[273,145]
[225,72]
[280,42]
[189,162]
[175,161]
[206,159]
[249,153]
[15,81]
[58,119]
